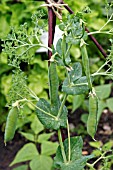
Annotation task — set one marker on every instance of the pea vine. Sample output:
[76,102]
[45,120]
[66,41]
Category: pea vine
[53,114]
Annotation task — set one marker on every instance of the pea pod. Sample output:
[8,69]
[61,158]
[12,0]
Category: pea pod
[53,87]
[11,124]
[92,118]
[85,61]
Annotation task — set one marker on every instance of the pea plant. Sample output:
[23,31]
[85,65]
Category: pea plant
[20,46]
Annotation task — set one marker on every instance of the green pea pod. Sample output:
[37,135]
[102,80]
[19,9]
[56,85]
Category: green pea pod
[11,124]
[53,88]
[92,118]
[85,61]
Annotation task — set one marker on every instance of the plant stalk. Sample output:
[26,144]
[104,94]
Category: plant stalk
[62,146]
[69,144]
[62,105]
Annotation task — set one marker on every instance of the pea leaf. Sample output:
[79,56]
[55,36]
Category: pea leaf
[59,57]
[76,72]
[26,153]
[77,87]
[49,118]
[77,161]
[49,148]
[41,162]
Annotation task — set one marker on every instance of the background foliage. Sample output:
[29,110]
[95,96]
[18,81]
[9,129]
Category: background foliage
[13,14]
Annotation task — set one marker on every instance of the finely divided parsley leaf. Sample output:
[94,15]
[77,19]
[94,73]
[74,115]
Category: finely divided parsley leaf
[48,117]
[21,44]
[77,161]
[18,88]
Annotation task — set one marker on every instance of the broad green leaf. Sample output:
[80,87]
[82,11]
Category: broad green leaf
[48,117]
[53,87]
[76,72]
[75,88]
[26,153]
[36,126]
[110,103]
[44,137]
[58,47]
[77,161]
[28,136]
[22,167]
[77,101]
[103,91]
[41,162]
[76,164]
[48,148]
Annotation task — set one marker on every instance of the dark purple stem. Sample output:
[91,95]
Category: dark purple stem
[91,37]
[51,29]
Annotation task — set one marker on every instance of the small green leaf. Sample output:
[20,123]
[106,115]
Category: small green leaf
[84,118]
[97,152]
[58,47]
[103,91]
[101,105]
[48,148]
[41,162]
[77,101]
[36,126]
[76,72]
[110,104]
[75,88]
[44,137]
[48,118]
[22,167]
[96,144]
[107,146]
[26,153]
[28,136]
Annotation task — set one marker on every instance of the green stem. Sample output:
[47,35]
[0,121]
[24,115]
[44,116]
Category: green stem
[69,144]
[62,105]
[100,32]
[102,156]
[68,50]
[90,166]
[43,111]
[63,47]
[62,146]
[103,66]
